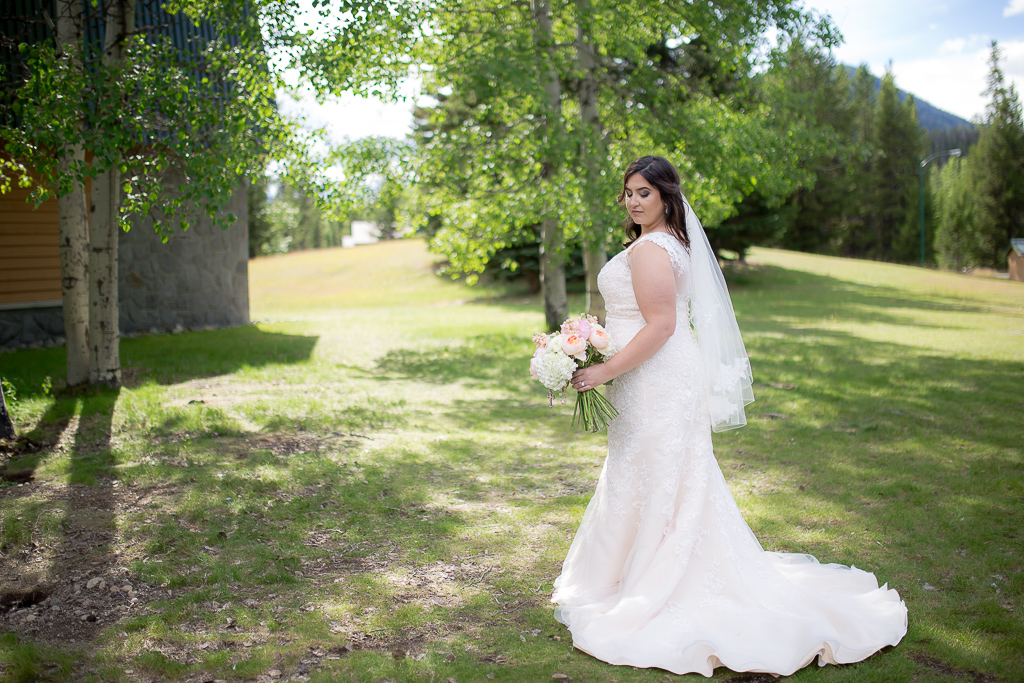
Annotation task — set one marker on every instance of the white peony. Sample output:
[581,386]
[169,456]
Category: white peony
[554,368]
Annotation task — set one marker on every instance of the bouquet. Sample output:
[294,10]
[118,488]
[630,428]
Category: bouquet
[580,343]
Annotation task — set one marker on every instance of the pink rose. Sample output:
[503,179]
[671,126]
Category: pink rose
[599,338]
[573,344]
[585,328]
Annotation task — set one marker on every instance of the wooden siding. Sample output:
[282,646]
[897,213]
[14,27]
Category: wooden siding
[1015,264]
[29,250]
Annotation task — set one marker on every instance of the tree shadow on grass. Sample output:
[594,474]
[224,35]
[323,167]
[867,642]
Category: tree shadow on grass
[481,359]
[857,385]
[883,432]
[878,414]
[408,536]
[168,358]
[821,295]
[171,359]
[87,524]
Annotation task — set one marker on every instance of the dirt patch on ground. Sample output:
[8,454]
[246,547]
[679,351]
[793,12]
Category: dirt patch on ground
[70,589]
[289,444]
[285,445]
[952,671]
[20,446]
[76,581]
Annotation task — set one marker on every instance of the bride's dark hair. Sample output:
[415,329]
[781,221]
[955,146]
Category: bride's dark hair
[660,173]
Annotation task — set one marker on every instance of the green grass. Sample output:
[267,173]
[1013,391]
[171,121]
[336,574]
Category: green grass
[366,485]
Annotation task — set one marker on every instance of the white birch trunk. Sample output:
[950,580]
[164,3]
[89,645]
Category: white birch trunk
[594,259]
[594,156]
[104,339]
[552,260]
[104,333]
[73,221]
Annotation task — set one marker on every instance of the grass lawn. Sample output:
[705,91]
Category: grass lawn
[365,485]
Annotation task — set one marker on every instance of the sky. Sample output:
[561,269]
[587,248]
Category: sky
[938,49]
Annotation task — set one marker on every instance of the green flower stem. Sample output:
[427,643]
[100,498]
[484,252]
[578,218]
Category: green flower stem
[593,411]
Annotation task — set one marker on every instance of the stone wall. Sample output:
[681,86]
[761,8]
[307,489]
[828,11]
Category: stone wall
[198,279]
[24,327]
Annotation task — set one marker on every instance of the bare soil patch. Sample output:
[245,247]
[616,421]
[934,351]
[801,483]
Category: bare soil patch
[71,589]
[952,671]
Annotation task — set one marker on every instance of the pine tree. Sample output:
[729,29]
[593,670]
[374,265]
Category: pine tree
[259,225]
[859,214]
[997,169]
[895,163]
[813,215]
[955,243]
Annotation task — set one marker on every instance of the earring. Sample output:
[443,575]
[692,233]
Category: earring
[666,210]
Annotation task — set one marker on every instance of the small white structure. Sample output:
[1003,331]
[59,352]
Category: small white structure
[363,232]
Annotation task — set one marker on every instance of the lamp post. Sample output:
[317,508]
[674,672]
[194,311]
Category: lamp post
[920,176]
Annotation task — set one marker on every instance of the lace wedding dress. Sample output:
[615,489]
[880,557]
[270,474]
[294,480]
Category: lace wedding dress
[663,571]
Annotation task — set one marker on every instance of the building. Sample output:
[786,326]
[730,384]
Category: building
[198,279]
[1015,259]
[363,232]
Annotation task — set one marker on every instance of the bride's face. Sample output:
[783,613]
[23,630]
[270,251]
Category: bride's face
[643,201]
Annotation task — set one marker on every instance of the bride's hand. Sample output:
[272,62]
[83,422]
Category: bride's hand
[586,379]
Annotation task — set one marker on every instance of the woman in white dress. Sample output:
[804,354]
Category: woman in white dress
[663,571]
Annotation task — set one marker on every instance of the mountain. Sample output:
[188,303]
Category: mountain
[929,116]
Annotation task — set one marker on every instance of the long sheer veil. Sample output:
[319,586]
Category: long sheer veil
[726,366]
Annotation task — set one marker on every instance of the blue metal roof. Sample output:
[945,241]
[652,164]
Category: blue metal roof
[1017,245]
[28,21]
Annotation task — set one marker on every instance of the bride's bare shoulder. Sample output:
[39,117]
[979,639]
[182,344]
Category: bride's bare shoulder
[657,247]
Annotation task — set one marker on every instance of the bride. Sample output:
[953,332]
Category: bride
[663,571]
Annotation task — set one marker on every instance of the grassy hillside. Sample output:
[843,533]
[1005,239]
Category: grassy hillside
[366,485]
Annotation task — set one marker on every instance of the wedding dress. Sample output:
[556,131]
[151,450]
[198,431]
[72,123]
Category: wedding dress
[664,572]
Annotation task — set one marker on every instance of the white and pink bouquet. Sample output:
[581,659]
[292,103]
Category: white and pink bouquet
[580,343]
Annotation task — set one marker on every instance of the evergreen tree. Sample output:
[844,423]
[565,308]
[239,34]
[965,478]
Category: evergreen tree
[895,163]
[819,91]
[859,214]
[259,224]
[757,221]
[960,137]
[955,243]
[997,170]
[296,222]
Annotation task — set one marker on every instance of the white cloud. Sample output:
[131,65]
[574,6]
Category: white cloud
[1013,60]
[1013,7]
[954,46]
[950,82]
[956,82]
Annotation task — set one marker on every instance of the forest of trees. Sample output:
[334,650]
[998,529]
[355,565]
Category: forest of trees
[513,167]
[981,198]
[865,201]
